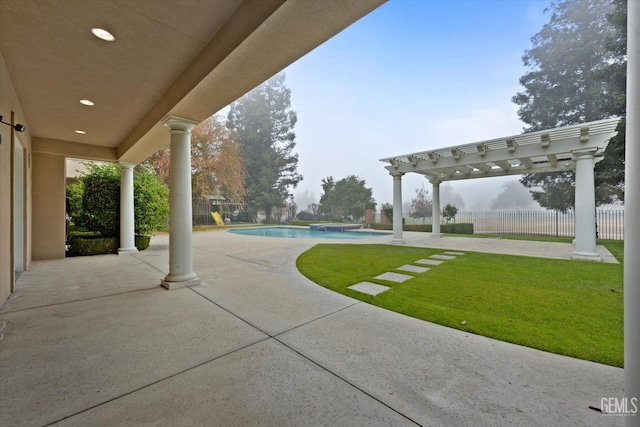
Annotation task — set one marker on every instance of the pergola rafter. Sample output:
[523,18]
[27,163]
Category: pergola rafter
[575,148]
[543,151]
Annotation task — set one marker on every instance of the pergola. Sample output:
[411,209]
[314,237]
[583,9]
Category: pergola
[575,148]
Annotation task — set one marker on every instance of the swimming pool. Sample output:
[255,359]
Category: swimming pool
[305,233]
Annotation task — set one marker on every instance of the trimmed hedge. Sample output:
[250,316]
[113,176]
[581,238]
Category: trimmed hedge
[455,228]
[299,222]
[87,245]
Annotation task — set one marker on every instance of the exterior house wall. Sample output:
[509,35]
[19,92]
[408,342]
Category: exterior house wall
[48,206]
[10,108]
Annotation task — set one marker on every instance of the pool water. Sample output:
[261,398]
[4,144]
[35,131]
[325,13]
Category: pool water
[304,233]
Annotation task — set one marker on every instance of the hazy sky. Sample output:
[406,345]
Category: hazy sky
[413,75]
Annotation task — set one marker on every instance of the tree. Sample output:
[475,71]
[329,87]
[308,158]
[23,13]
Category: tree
[150,202]
[101,199]
[449,212]
[610,170]
[263,123]
[447,195]
[421,204]
[217,165]
[554,191]
[216,161]
[305,200]
[512,196]
[577,74]
[348,197]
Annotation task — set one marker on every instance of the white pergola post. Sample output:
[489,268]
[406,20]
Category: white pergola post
[180,257]
[632,213]
[435,210]
[127,230]
[397,208]
[585,223]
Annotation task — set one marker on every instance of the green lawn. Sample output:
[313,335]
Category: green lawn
[561,306]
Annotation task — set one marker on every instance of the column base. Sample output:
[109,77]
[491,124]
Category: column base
[436,235]
[182,284]
[127,251]
[589,256]
[398,242]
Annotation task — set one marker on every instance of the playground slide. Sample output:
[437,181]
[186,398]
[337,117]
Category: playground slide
[217,218]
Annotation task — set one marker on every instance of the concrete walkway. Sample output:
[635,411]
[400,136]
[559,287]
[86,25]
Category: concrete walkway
[502,246]
[97,341]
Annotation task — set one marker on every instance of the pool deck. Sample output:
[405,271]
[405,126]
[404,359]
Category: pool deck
[97,341]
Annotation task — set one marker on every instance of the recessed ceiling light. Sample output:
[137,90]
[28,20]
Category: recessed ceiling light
[87,102]
[81,132]
[103,34]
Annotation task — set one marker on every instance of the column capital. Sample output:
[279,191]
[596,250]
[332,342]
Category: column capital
[179,123]
[585,152]
[396,175]
[127,165]
[434,181]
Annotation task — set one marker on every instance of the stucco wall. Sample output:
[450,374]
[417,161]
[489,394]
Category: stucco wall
[48,206]
[6,267]
[9,106]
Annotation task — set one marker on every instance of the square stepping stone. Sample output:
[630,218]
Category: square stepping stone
[369,288]
[394,277]
[453,253]
[444,257]
[429,262]
[413,268]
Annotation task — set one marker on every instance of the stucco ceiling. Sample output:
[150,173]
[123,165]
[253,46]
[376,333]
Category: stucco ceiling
[184,57]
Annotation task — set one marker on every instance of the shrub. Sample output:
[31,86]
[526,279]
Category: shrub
[84,243]
[449,212]
[300,223]
[75,193]
[87,245]
[142,242]
[461,228]
[150,202]
[305,216]
[101,198]
[94,201]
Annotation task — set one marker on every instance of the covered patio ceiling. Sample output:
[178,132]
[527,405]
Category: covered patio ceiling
[545,151]
[186,58]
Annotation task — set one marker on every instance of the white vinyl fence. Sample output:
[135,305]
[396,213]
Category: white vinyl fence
[609,222]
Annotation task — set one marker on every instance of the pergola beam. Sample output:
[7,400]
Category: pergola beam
[552,144]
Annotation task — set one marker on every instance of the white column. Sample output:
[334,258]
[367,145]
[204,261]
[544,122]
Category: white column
[127,229]
[435,215]
[632,213]
[585,223]
[397,208]
[180,257]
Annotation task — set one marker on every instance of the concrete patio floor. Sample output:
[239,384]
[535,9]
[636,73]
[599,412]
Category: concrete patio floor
[97,341]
